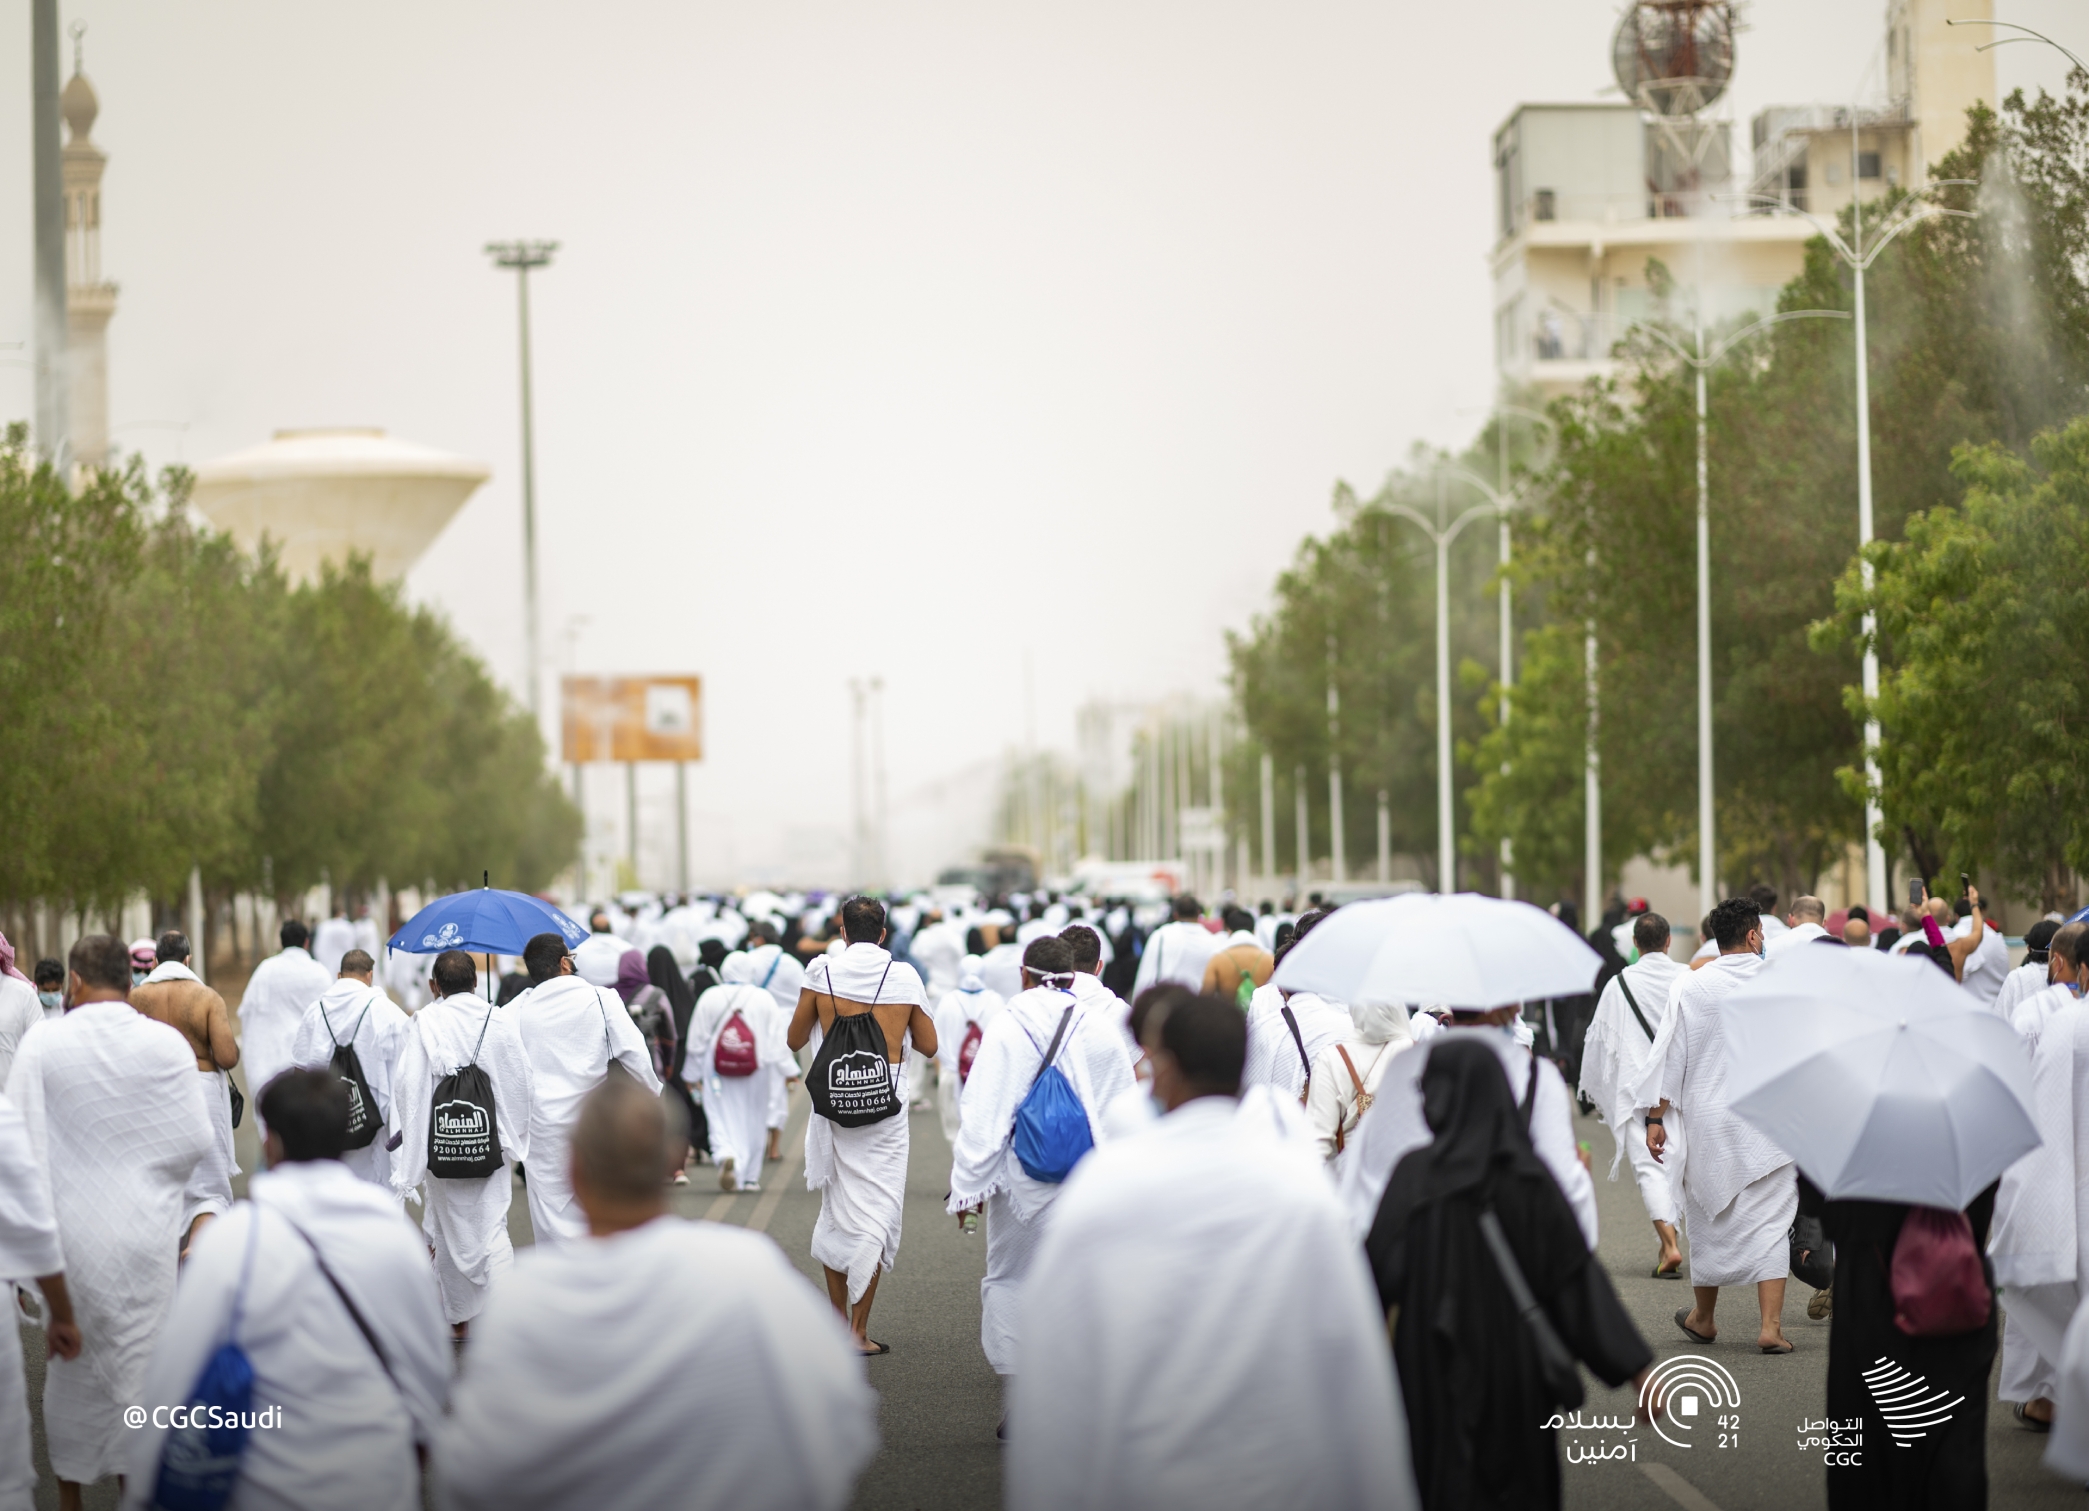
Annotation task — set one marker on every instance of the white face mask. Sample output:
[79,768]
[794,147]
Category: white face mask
[51,999]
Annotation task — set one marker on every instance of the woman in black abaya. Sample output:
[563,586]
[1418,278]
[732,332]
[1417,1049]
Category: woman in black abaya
[663,972]
[1469,1368]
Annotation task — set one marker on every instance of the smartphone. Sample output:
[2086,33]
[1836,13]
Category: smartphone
[1914,891]
[1965,885]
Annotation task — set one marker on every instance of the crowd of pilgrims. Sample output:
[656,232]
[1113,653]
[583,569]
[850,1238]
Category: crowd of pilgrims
[1244,1245]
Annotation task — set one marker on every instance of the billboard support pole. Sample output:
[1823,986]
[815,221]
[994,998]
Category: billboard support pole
[681,826]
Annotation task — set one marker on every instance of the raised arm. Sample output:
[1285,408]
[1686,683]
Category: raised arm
[1962,949]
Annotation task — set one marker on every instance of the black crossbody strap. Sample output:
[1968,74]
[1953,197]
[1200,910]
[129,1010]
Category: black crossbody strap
[1297,1038]
[488,1023]
[1530,1091]
[1051,1053]
[1633,1003]
[355,1314]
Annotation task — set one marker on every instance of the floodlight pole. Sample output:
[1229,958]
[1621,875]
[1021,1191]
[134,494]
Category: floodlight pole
[1858,258]
[1441,535]
[1508,602]
[522,256]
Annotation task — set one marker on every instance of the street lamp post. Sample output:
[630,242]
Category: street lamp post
[522,256]
[1858,256]
[1701,361]
[1507,651]
[1441,534]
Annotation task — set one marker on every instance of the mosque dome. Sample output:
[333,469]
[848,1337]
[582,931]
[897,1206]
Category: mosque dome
[79,106]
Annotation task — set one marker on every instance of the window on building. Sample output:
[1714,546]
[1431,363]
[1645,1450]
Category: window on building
[1542,207]
[1867,165]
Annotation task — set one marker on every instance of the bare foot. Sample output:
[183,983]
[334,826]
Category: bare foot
[1671,1258]
[1772,1340]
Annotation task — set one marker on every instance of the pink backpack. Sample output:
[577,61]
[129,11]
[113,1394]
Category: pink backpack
[735,1056]
[1939,1288]
[968,1051]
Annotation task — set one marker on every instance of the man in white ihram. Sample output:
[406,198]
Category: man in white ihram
[466,1217]
[861,1172]
[985,1173]
[354,1011]
[1178,950]
[1614,1057]
[273,1005]
[1199,1329]
[572,1030]
[771,968]
[114,1112]
[2039,1239]
[655,1362]
[961,1020]
[337,1313]
[736,1107]
[29,1253]
[1740,1191]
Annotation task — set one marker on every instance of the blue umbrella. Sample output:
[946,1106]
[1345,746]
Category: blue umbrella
[485,919]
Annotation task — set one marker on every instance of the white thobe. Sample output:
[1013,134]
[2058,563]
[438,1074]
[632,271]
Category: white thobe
[2027,980]
[1176,952]
[676,1364]
[860,1173]
[114,1111]
[270,1009]
[1793,936]
[28,1249]
[1001,968]
[736,1108]
[984,1167]
[330,941]
[19,1012]
[347,1433]
[1614,1057]
[1739,1190]
[1273,1054]
[1128,1394]
[352,1013]
[1988,966]
[570,1030]
[2040,1231]
[1394,1127]
[939,949]
[466,1220]
[955,1015]
[209,1190]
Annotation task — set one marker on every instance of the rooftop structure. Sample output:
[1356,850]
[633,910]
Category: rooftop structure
[90,301]
[323,495]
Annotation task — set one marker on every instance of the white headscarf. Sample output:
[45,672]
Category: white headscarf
[968,977]
[737,968]
[1381,1022]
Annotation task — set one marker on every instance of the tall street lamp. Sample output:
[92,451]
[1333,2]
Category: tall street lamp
[1707,867]
[522,256]
[1441,534]
[1507,626]
[1858,255]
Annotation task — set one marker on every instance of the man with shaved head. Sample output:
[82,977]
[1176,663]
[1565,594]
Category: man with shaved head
[583,1388]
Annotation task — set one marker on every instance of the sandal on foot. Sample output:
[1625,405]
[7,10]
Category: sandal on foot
[2025,1420]
[1672,1272]
[1683,1321]
[1778,1348]
[875,1350]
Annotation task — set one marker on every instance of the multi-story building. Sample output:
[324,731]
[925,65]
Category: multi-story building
[1587,196]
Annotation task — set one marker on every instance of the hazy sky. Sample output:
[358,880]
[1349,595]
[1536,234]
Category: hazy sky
[884,338]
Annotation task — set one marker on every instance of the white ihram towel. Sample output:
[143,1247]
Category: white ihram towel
[114,1111]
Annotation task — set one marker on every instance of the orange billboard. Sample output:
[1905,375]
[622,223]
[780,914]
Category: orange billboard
[631,719]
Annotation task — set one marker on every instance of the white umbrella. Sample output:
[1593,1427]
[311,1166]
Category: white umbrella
[1879,1076]
[1466,951]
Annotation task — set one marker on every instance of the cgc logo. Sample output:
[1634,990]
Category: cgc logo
[1697,1394]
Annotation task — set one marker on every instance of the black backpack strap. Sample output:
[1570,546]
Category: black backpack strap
[483,1026]
[1299,1039]
[358,1022]
[1633,1003]
[1530,1092]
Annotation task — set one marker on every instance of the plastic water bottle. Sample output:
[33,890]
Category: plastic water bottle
[970,1224]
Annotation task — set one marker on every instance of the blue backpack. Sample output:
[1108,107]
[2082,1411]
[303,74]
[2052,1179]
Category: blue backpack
[199,1462]
[1051,1127]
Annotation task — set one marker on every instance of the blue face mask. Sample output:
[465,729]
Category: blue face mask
[52,1001]
[138,977]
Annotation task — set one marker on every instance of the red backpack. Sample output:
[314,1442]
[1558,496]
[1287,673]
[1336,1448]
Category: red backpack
[968,1051]
[735,1055]
[1939,1288]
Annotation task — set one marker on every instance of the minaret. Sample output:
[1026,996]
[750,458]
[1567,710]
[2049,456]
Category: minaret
[89,302]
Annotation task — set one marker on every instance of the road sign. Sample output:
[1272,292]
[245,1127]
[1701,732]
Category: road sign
[631,719]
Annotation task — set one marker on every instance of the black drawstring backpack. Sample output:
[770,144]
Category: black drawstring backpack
[463,1133]
[363,1120]
[851,1081]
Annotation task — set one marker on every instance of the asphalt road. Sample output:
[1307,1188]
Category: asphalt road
[940,1403]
